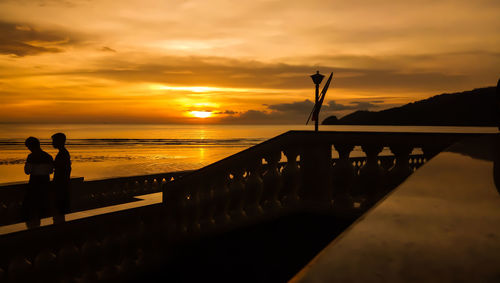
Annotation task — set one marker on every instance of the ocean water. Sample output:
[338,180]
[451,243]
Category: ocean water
[104,150]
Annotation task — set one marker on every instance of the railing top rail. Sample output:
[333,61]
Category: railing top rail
[113,179]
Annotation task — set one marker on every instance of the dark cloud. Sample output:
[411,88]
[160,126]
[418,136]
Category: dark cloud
[259,117]
[226,112]
[298,106]
[107,49]
[354,105]
[24,40]
[295,112]
[304,106]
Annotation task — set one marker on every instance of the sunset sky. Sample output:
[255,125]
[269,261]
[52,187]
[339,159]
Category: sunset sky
[218,61]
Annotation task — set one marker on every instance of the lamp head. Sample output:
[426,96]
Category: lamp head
[317,78]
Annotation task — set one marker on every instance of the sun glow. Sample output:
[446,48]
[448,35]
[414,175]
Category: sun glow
[201,114]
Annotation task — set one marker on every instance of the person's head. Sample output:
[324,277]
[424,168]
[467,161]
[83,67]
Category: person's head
[33,144]
[58,140]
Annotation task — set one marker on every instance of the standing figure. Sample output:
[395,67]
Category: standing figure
[39,165]
[62,172]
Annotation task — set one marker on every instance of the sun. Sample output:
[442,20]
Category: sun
[201,114]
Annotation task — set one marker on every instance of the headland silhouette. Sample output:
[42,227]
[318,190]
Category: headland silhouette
[476,107]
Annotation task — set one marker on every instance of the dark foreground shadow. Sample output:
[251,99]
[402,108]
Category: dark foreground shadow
[269,252]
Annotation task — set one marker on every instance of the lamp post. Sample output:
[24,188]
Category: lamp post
[317,78]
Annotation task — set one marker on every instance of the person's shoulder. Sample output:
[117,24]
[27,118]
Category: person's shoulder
[63,153]
[47,156]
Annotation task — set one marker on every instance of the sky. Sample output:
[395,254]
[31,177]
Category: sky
[239,62]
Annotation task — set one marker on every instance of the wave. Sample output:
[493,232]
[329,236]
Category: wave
[94,148]
[15,143]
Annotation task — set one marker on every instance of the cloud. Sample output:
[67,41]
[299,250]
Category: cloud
[307,105]
[226,112]
[24,40]
[107,49]
[389,74]
[354,105]
[292,113]
[298,106]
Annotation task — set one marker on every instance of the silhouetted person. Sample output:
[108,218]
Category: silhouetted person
[498,104]
[39,165]
[62,172]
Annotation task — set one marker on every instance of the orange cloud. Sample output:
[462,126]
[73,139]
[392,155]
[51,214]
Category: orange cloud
[93,61]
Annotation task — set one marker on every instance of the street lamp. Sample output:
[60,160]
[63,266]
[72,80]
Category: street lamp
[317,78]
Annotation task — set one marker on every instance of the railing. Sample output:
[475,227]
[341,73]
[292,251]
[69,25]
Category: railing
[97,193]
[87,194]
[252,184]
[242,189]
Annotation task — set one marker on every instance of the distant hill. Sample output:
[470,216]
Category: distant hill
[477,107]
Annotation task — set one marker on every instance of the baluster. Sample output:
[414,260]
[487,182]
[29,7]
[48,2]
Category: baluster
[221,199]
[68,260]
[20,270]
[126,190]
[237,192]
[343,177]
[272,181]
[173,201]
[156,184]
[114,191]
[146,185]
[207,207]
[316,175]
[110,243]
[190,211]
[371,174]
[149,185]
[143,185]
[401,169]
[45,264]
[91,254]
[137,187]
[291,178]
[195,208]
[254,187]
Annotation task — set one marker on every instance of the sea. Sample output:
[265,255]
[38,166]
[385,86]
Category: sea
[100,151]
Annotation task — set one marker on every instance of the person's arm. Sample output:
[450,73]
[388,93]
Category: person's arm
[52,165]
[27,168]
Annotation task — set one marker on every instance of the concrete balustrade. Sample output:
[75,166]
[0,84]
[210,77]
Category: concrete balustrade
[86,195]
[254,185]
[240,190]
